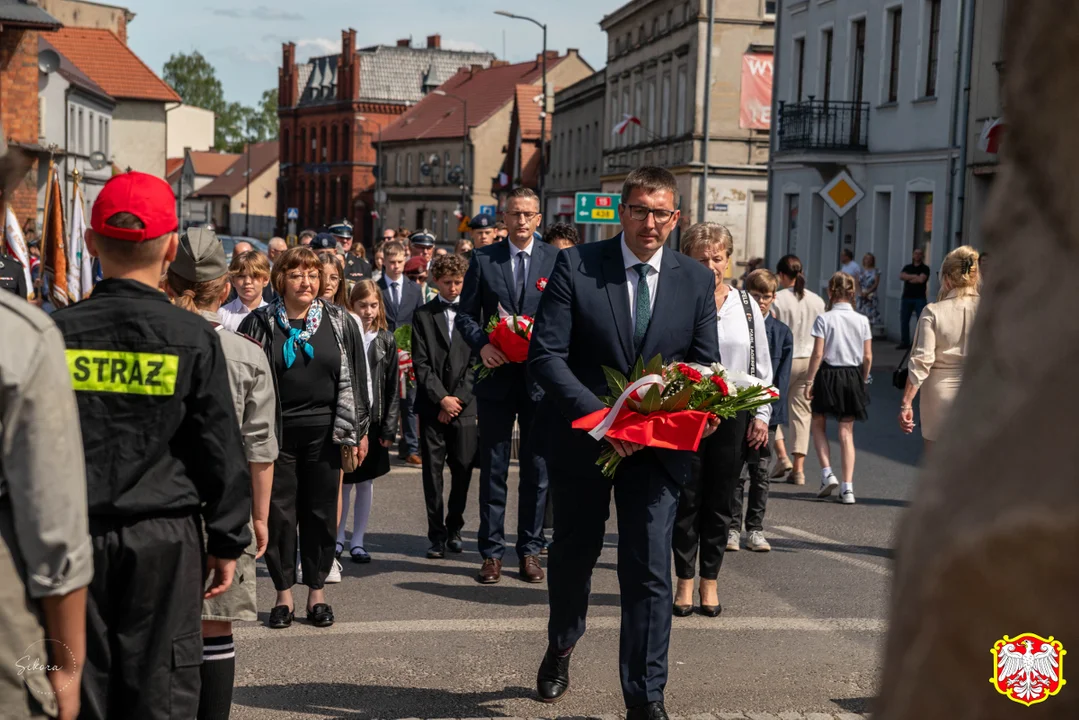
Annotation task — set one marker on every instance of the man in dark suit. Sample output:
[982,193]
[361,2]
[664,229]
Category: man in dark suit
[402,298]
[607,304]
[443,362]
[507,276]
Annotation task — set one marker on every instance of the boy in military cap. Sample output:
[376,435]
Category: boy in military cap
[162,446]
[483,231]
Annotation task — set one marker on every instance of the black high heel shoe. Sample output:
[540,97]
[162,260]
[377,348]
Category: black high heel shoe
[682,610]
[710,610]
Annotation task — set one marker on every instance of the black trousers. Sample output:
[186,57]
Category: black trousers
[306,480]
[645,498]
[453,444]
[759,484]
[706,508]
[144,620]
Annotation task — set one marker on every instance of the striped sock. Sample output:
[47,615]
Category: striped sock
[218,673]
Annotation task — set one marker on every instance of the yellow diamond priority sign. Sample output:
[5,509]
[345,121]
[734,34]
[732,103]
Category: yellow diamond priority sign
[842,193]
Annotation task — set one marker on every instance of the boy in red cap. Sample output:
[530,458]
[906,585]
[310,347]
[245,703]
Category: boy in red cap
[162,446]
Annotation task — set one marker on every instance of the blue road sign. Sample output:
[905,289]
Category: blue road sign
[292,214]
[487,210]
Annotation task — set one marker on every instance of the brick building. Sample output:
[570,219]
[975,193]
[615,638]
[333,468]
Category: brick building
[332,110]
[20,24]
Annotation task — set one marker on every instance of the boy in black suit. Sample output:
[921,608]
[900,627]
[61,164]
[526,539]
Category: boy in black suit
[443,361]
[402,298]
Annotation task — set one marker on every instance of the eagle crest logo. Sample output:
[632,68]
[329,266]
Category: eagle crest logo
[1028,669]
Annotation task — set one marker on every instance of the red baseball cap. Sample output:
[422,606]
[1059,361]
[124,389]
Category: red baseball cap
[147,197]
[415,265]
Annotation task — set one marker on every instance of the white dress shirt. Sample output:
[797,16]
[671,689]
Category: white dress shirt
[799,316]
[450,309]
[844,332]
[733,331]
[631,262]
[395,292]
[233,313]
[368,338]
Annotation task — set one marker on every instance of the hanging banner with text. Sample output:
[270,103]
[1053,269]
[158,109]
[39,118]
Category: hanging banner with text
[756,106]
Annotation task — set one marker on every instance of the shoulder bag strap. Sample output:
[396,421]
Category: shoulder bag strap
[752,325]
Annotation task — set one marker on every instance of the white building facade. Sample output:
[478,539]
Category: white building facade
[869,88]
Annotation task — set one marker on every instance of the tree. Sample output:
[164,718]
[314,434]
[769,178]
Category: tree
[262,124]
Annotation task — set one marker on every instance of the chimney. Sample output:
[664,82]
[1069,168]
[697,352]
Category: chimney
[354,68]
[286,86]
[499,63]
[434,42]
[406,42]
[475,68]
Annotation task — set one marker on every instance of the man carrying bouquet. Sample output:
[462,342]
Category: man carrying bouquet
[507,278]
[607,304]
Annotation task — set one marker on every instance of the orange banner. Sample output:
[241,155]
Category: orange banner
[55,247]
[756,105]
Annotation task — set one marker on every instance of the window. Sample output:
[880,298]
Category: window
[618,46]
[284,144]
[858,69]
[323,144]
[638,111]
[101,133]
[651,127]
[408,169]
[923,222]
[445,226]
[685,13]
[895,18]
[640,34]
[828,37]
[665,107]
[655,27]
[596,151]
[71,127]
[578,151]
[346,139]
[301,146]
[89,133]
[680,107]
[770,9]
[624,139]
[446,171]
[799,68]
[792,223]
[314,145]
[333,144]
[397,169]
[933,57]
[108,139]
[79,143]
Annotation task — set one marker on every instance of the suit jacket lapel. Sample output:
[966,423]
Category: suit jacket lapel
[507,275]
[442,323]
[540,250]
[666,304]
[614,279]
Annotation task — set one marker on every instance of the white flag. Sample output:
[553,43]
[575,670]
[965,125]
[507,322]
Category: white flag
[17,245]
[79,263]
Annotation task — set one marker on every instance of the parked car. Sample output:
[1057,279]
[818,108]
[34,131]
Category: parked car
[229,242]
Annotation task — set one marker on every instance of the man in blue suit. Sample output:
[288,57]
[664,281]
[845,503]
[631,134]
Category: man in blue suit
[607,304]
[506,276]
[402,297]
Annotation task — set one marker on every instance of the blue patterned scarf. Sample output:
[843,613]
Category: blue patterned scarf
[297,337]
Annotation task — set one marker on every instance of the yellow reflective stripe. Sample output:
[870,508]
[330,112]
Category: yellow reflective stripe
[123,372]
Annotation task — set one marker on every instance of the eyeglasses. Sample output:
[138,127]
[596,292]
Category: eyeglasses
[416,276]
[641,213]
[294,277]
[528,216]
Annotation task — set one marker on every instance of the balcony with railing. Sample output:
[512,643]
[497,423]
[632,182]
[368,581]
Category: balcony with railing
[824,125]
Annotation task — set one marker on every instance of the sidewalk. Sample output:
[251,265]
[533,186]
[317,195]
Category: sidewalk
[885,357]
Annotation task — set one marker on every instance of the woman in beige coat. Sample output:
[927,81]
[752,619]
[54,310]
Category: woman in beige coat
[940,345]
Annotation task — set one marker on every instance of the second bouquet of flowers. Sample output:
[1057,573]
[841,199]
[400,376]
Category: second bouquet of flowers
[510,334]
[668,405]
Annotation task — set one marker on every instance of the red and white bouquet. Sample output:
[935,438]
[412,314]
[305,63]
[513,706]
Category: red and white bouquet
[406,374]
[668,405]
[511,334]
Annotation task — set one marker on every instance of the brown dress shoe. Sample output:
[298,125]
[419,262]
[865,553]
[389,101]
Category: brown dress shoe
[531,571]
[413,460]
[490,571]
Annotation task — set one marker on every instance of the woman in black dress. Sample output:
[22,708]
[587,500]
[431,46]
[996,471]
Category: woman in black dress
[315,355]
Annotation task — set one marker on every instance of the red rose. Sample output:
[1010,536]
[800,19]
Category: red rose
[541,284]
[689,373]
[721,384]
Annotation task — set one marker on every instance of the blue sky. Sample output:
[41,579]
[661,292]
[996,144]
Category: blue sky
[242,38]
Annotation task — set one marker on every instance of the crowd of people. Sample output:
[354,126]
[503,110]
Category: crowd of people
[250,416]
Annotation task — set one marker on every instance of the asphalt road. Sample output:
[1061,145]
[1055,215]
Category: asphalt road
[801,630]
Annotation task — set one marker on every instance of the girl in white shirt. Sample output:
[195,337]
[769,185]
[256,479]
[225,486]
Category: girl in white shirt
[836,380]
[249,273]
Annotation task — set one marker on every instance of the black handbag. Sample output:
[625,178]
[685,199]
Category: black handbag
[899,377]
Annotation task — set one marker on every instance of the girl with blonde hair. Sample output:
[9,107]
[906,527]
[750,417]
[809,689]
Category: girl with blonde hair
[940,344]
[836,380]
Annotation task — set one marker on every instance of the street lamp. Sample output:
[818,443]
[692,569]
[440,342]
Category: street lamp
[543,114]
[465,209]
[378,177]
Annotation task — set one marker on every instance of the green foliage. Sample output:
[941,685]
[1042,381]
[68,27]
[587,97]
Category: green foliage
[403,337]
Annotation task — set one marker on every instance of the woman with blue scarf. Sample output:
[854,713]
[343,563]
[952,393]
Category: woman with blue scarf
[320,376]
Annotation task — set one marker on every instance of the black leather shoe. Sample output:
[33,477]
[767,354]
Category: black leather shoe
[321,615]
[436,552]
[649,711]
[552,680]
[711,610]
[682,610]
[280,617]
[454,545]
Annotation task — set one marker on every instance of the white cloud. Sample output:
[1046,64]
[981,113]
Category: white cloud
[467,45]
[318,46]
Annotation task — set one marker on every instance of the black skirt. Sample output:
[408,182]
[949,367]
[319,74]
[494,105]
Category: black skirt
[840,393]
[376,464]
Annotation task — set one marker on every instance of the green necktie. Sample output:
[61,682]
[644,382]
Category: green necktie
[644,306]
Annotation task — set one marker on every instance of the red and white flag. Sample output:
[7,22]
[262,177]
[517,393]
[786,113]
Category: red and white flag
[992,134]
[503,179]
[620,128]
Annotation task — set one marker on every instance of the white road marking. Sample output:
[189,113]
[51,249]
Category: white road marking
[539,624]
[839,555]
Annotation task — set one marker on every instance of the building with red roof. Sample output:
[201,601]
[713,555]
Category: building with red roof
[437,166]
[139,119]
[192,172]
[242,200]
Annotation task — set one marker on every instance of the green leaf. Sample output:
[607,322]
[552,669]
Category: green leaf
[403,337]
[652,401]
[679,401]
[655,366]
[616,381]
[638,370]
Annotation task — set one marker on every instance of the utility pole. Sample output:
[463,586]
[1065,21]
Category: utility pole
[247,191]
[703,200]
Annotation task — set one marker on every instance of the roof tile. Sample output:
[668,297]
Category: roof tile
[111,64]
[232,180]
[212,164]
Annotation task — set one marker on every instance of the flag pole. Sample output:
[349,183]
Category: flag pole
[44,237]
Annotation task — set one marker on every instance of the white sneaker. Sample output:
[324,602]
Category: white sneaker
[846,497]
[756,542]
[828,485]
[734,541]
[335,572]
